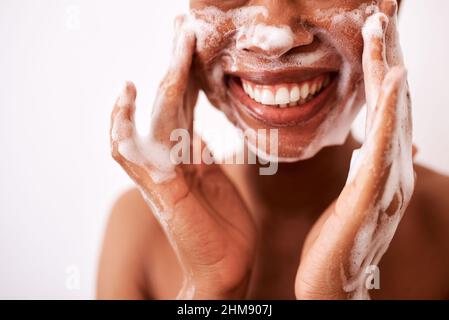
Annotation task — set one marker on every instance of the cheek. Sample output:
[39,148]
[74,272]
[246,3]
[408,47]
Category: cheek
[349,41]
[211,45]
[343,30]
[213,29]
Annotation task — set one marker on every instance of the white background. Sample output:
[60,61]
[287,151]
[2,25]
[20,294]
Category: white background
[61,65]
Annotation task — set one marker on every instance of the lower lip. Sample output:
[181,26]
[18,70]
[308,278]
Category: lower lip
[281,117]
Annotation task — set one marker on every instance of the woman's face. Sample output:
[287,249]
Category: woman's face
[291,65]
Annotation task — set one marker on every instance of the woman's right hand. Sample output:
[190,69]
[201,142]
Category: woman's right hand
[203,215]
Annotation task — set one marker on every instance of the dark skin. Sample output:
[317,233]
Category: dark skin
[131,269]
[283,221]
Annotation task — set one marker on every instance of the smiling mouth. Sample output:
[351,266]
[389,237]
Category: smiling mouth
[280,103]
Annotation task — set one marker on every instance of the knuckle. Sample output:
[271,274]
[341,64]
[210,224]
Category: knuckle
[115,153]
[168,87]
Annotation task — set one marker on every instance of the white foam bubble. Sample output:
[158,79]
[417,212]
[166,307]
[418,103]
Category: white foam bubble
[143,151]
[204,22]
[378,228]
[265,37]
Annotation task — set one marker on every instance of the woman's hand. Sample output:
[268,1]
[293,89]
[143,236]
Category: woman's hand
[199,208]
[355,231]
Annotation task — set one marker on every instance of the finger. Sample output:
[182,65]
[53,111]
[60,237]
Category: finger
[356,230]
[148,169]
[122,128]
[169,111]
[394,51]
[390,118]
[380,149]
[374,56]
[371,207]
[126,146]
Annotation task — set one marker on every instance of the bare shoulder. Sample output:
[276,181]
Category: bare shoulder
[131,255]
[420,244]
[429,208]
[431,198]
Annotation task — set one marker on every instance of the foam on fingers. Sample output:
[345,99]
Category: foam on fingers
[129,147]
[169,110]
[384,123]
[183,50]
[123,114]
[394,50]
[394,177]
[392,102]
[128,95]
[374,58]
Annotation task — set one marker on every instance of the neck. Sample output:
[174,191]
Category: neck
[306,187]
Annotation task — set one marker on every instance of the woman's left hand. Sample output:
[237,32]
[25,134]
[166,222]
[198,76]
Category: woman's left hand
[349,239]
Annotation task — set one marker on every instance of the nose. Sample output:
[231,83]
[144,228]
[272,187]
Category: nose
[275,33]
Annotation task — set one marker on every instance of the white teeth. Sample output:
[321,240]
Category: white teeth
[282,96]
[295,95]
[286,95]
[267,97]
[304,90]
[257,95]
[245,87]
[249,91]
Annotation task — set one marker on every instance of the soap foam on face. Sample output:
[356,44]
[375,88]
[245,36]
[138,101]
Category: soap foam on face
[376,232]
[248,33]
[204,21]
[337,126]
[266,37]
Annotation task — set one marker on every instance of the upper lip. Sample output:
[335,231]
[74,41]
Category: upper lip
[267,77]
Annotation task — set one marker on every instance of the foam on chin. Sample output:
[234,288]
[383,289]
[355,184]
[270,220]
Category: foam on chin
[336,128]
